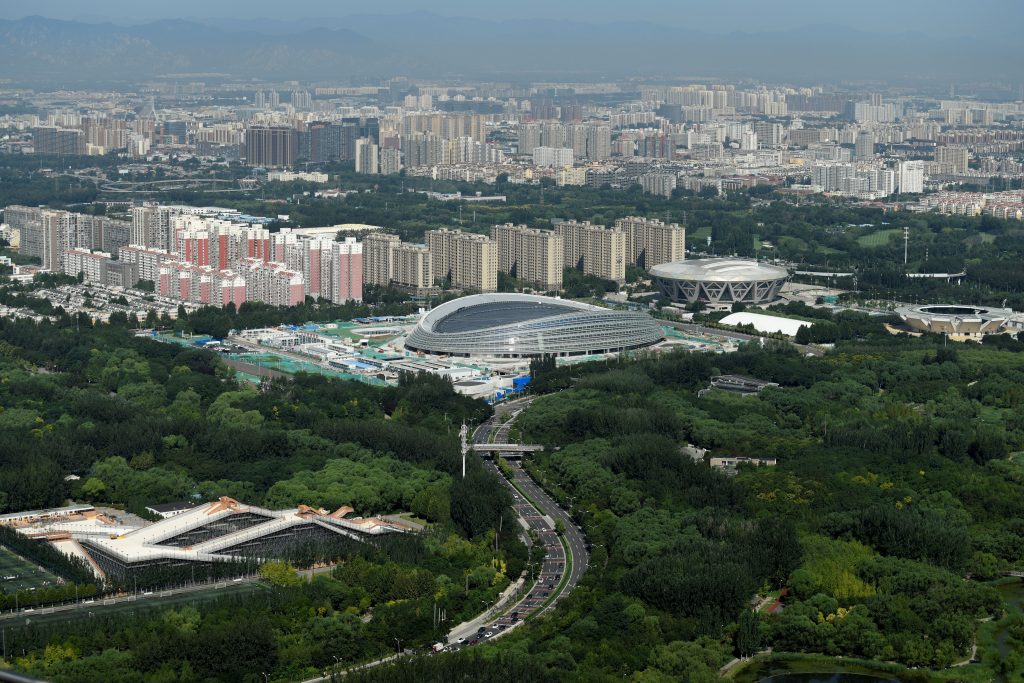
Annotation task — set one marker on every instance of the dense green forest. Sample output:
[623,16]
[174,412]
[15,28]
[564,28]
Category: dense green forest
[143,422]
[892,485]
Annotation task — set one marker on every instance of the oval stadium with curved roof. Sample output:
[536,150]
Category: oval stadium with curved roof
[528,325]
[955,319]
[719,281]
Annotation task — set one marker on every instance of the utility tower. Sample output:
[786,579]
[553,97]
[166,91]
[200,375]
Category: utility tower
[463,433]
[906,243]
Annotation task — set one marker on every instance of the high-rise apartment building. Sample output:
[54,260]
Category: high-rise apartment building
[594,249]
[956,158]
[659,183]
[377,250]
[558,157]
[346,271]
[864,147]
[367,157]
[47,233]
[467,260]
[769,135]
[533,256]
[56,140]
[271,146]
[529,137]
[390,161]
[651,242]
[389,261]
[412,267]
[911,176]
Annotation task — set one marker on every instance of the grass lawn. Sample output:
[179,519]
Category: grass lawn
[25,574]
[699,235]
[878,238]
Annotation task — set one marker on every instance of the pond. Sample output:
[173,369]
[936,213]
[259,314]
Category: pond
[1012,593]
[811,671]
[826,678]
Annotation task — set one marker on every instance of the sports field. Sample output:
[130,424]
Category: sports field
[17,574]
[878,238]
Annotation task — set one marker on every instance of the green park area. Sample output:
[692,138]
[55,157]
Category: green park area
[878,238]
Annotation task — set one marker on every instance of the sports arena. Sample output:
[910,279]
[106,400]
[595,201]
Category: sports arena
[719,281]
[955,319]
[527,325]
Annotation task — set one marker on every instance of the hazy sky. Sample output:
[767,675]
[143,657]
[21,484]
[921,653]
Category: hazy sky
[934,17]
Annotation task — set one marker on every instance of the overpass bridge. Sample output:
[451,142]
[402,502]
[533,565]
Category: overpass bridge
[507,450]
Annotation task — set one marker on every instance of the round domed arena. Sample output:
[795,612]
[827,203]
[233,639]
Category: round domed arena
[528,325]
[719,281]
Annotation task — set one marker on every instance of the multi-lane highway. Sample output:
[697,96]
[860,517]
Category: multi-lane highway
[559,572]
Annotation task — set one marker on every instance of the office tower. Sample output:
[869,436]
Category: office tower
[271,146]
[911,176]
[594,249]
[864,147]
[534,256]
[362,127]
[320,142]
[467,260]
[552,156]
[377,249]
[55,140]
[366,156]
[174,132]
[956,157]
[651,242]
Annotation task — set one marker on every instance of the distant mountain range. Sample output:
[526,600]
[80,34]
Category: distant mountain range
[368,47]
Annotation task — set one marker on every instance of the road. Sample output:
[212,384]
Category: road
[551,580]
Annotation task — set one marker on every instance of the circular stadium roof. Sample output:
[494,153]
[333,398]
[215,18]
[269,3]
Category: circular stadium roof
[526,325]
[719,281]
[962,319]
[719,270]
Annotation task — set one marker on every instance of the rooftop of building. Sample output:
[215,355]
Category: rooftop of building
[720,270]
